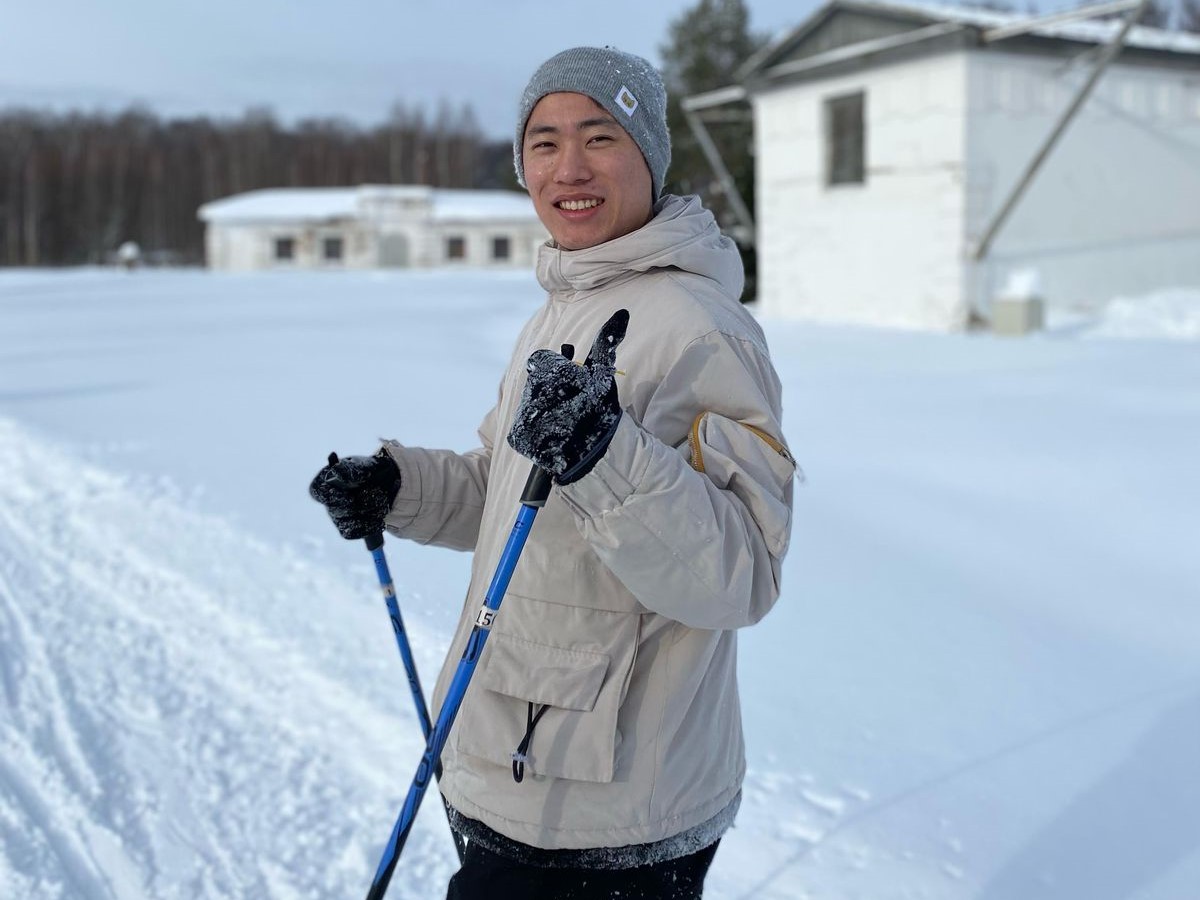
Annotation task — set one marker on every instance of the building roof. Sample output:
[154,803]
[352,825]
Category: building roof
[283,205]
[320,204]
[468,206]
[1090,31]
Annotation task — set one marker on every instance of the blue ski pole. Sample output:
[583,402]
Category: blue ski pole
[374,543]
[537,489]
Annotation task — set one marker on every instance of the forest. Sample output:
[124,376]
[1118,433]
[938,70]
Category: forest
[75,186]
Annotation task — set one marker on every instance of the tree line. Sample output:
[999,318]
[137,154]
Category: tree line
[75,186]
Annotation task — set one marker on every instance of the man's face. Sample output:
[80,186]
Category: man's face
[588,179]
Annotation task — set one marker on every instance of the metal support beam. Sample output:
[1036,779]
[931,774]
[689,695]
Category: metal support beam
[719,97]
[691,107]
[1059,18]
[862,49]
[1110,53]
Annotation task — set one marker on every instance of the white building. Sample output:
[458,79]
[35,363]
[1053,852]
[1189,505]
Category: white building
[371,226]
[888,136]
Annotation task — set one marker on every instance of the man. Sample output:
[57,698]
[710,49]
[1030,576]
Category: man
[598,752]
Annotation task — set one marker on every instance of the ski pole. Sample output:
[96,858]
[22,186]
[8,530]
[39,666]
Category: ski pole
[537,489]
[374,544]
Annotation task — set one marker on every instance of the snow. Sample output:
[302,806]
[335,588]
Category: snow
[321,204]
[311,204]
[451,205]
[1022,285]
[981,681]
[1171,314]
[1092,31]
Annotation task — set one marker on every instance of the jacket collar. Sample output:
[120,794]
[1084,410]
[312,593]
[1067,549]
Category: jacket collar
[681,235]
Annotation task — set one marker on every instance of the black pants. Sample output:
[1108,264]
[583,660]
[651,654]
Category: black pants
[488,876]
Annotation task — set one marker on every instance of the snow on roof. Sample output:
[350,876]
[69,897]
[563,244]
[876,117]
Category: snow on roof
[1088,31]
[319,204]
[462,205]
[283,204]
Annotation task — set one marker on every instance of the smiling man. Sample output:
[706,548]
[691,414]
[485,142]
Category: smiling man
[598,752]
[585,173]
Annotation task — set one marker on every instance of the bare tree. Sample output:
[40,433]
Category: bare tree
[74,187]
[1189,15]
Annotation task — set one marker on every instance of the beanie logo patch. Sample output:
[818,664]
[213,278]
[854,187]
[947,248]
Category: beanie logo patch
[626,101]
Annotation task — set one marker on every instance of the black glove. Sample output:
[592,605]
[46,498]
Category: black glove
[569,413]
[357,492]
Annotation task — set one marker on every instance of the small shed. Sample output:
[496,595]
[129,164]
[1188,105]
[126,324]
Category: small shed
[890,137]
[371,226]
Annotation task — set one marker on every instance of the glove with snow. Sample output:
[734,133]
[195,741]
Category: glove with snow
[569,413]
[357,492]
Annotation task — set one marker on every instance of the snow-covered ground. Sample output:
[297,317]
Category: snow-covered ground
[983,679]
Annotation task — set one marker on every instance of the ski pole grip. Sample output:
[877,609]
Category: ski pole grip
[537,488]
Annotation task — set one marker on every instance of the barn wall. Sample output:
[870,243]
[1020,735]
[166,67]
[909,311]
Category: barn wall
[885,252]
[1116,208]
[523,237]
[245,247]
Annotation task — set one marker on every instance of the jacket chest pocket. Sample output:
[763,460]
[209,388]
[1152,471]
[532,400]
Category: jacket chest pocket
[530,664]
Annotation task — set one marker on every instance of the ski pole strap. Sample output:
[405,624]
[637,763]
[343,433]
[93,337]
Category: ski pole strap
[521,755]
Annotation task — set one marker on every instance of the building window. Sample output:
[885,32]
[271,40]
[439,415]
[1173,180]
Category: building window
[285,249]
[501,248]
[331,249]
[845,139]
[456,247]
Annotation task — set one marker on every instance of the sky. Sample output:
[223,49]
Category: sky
[301,58]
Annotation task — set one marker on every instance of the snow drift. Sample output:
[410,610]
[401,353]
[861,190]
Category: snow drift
[181,716]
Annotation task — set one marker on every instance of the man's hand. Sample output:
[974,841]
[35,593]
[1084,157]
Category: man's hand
[357,492]
[568,413]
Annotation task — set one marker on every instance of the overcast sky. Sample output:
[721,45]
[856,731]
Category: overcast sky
[352,58]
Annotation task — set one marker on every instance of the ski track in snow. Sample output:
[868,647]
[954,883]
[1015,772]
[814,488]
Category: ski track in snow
[158,739]
[161,741]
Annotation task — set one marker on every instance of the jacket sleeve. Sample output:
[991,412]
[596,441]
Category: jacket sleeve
[441,494]
[702,548]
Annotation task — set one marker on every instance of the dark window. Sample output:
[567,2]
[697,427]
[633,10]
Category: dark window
[501,248]
[285,248]
[331,249]
[845,139]
[456,247]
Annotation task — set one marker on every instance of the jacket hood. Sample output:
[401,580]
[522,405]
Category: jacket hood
[682,235]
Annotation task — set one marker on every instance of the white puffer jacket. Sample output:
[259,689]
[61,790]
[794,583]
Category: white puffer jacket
[622,612]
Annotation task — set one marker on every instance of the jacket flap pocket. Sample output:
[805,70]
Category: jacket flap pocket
[567,679]
[574,662]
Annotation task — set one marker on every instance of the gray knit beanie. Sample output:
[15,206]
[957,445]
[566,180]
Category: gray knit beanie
[625,85]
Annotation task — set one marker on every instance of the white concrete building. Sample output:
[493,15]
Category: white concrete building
[888,135]
[371,226]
